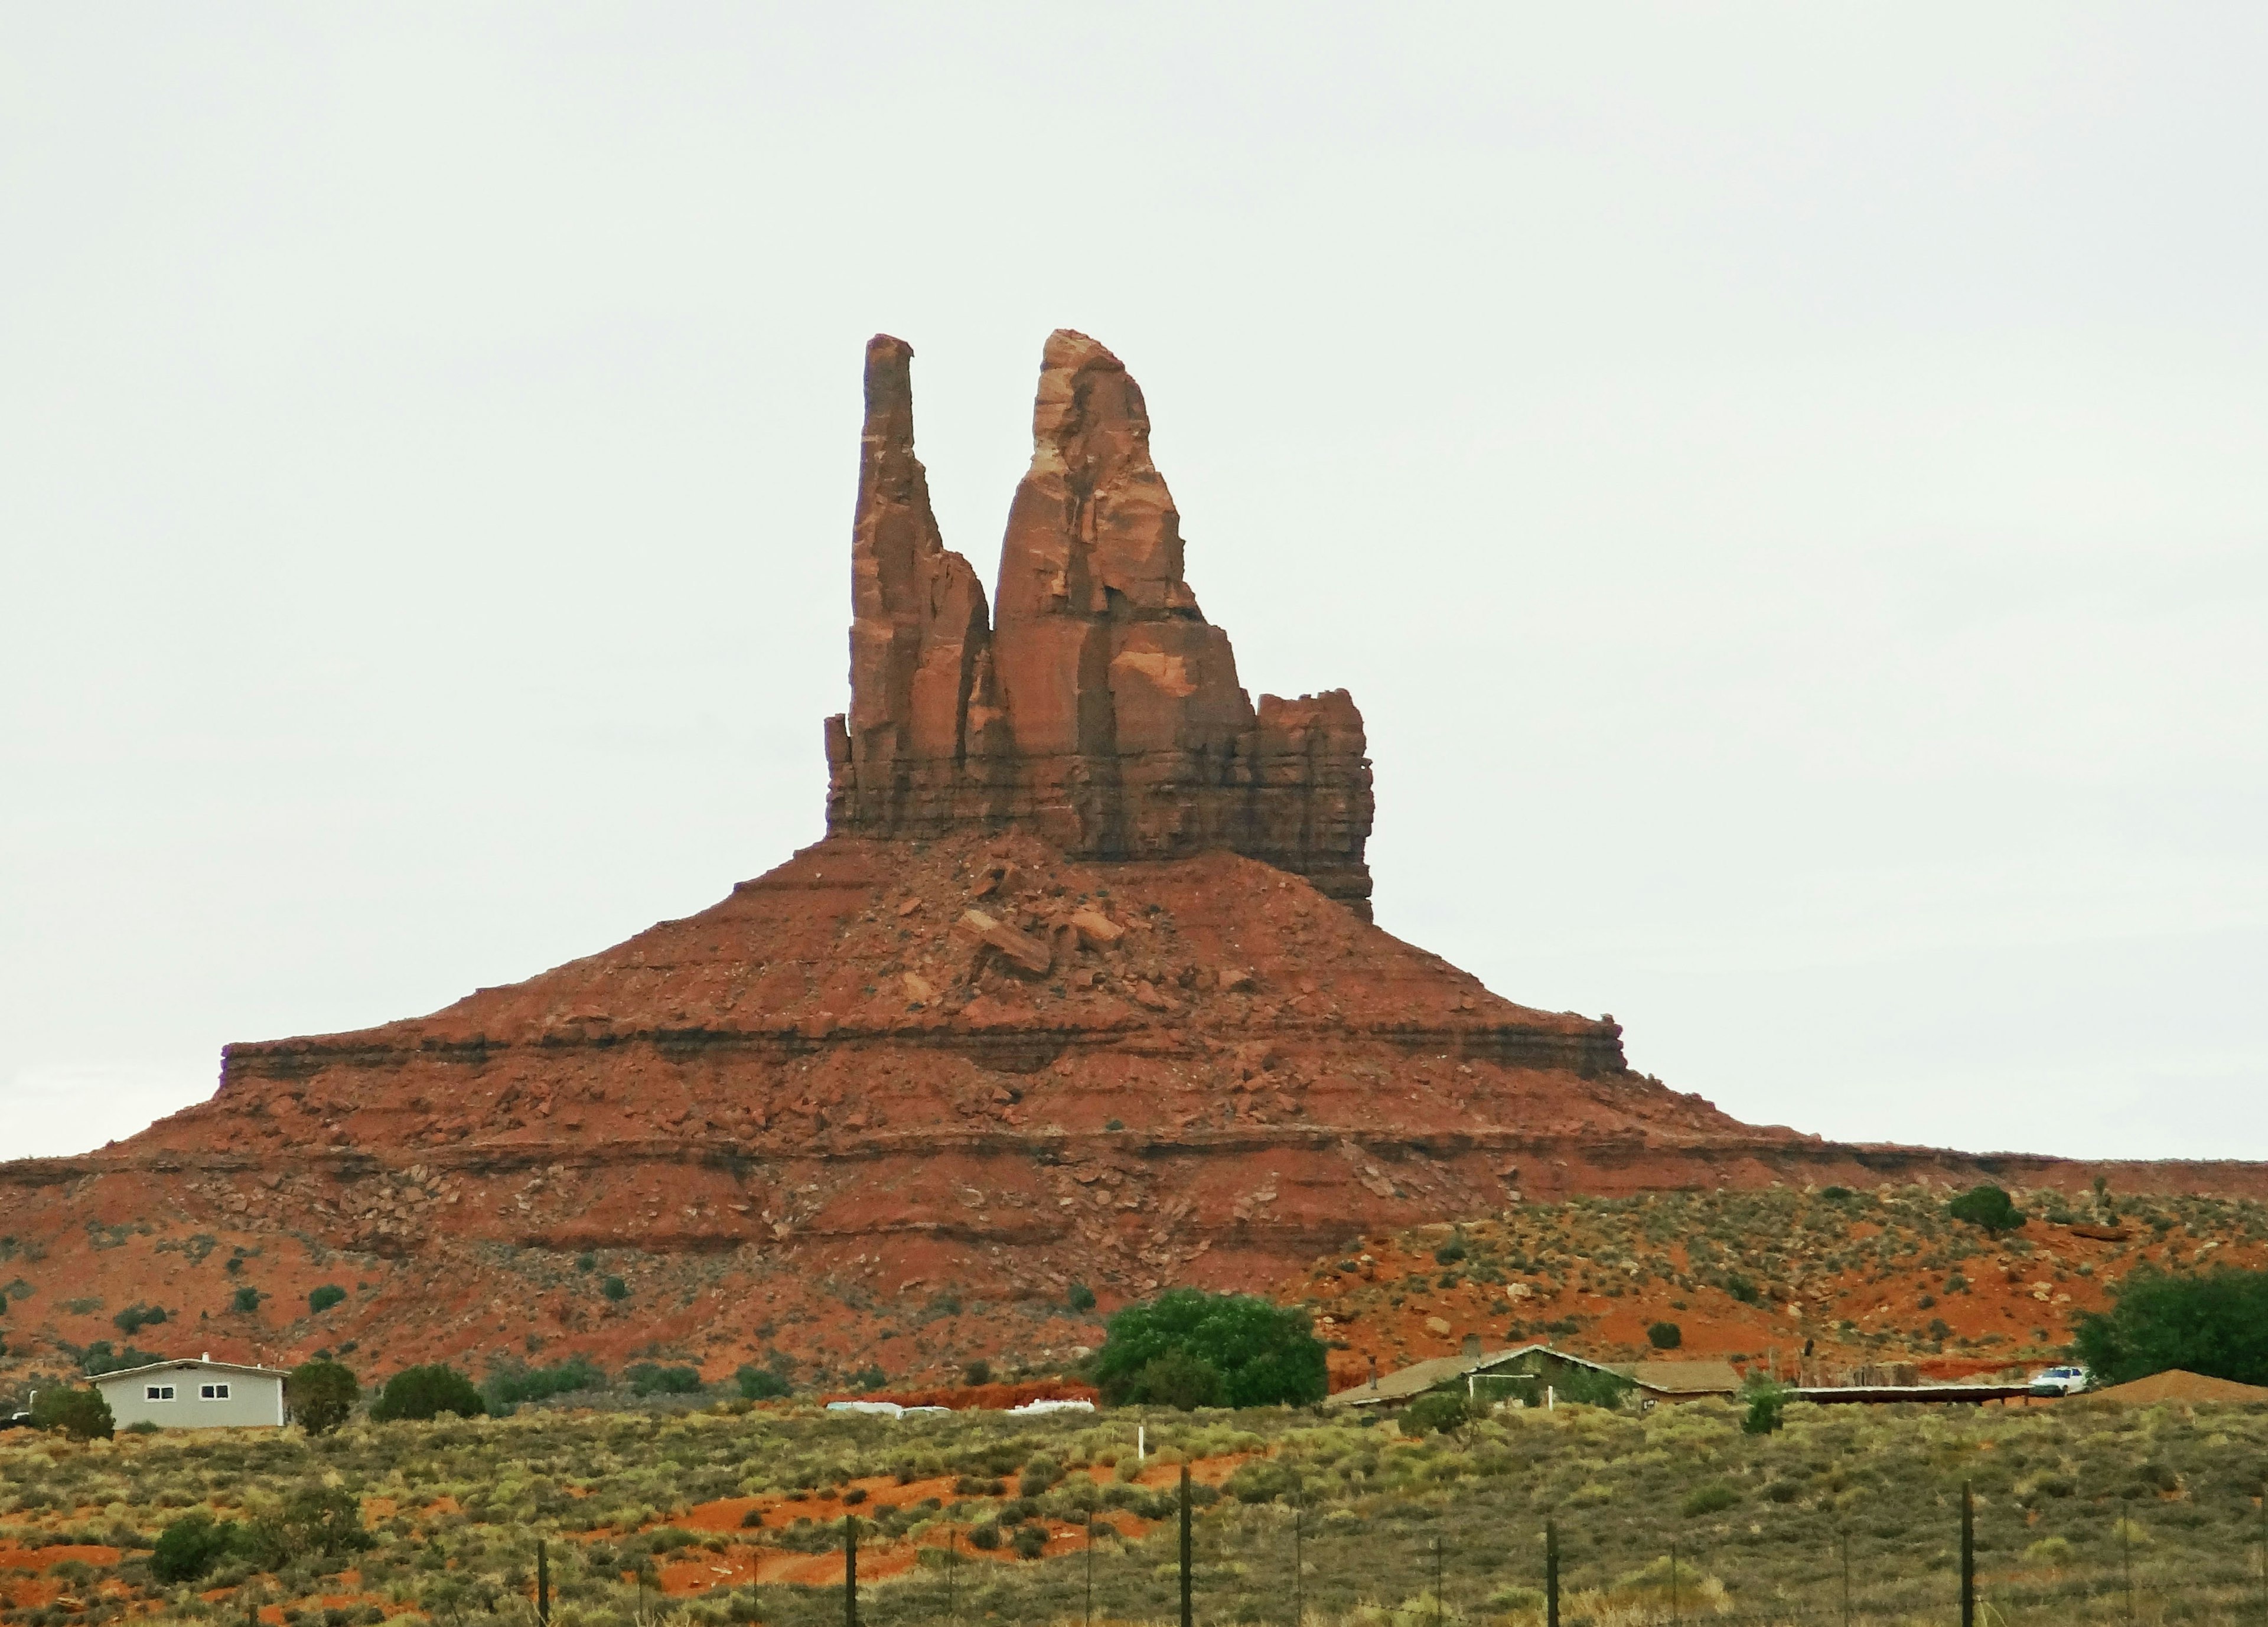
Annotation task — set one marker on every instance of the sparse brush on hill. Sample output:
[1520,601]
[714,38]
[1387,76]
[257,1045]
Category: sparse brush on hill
[1822,1283]
[1673,1512]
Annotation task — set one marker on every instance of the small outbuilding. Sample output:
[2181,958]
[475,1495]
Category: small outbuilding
[203,1394]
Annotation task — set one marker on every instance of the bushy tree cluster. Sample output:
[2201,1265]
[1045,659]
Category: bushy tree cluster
[1187,1348]
[2214,1323]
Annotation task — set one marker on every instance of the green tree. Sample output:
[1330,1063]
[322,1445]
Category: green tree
[977,1372]
[192,1545]
[1987,1206]
[761,1384]
[425,1393]
[322,1395]
[1265,1354]
[1665,1335]
[322,1299]
[1178,1380]
[245,1301]
[2215,1323]
[1081,1298]
[82,1414]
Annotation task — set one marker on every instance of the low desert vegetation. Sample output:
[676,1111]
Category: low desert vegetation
[653,1516]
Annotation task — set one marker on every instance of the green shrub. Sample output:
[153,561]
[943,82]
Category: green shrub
[1081,1298]
[1030,1541]
[322,1395]
[761,1384]
[614,1288]
[314,1523]
[1988,1207]
[1665,1335]
[647,1379]
[245,1301]
[1713,1497]
[1452,1251]
[1262,1353]
[82,1414]
[426,1392]
[512,1385]
[1765,1400]
[192,1545]
[137,1316]
[2215,1323]
[324,1297]
[977,1372]
[1436,1413]
[868,1378]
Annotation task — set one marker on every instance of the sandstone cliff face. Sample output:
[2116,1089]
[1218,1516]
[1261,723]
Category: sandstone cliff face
[1101,712]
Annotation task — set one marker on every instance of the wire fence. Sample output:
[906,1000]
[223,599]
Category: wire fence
[1282,1566]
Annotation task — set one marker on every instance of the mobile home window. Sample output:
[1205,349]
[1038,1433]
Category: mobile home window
[213,1392]
[157,1392]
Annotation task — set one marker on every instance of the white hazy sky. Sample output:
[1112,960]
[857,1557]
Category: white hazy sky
[1787,486]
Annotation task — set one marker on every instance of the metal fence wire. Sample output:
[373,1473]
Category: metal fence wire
[1281,1565]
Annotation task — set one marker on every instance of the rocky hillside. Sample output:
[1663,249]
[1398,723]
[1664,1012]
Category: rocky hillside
[1857,1278]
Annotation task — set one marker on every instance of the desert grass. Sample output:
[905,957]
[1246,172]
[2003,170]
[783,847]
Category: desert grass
[2084,1513]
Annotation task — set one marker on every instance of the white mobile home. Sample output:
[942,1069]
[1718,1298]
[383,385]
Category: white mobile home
[203,1394]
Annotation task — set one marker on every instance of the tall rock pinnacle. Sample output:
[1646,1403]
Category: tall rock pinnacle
[1103,712]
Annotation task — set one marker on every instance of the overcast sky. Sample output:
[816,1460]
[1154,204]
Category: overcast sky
[1788,487]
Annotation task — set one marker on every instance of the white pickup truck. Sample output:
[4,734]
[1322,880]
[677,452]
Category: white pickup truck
[2058,1381]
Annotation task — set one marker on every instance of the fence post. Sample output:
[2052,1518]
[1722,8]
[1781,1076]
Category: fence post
[849,1571]
[542,1582]
[1968,1555]
[2126,1560]
[1551,1574]
[1189,1615]
[1300,1560]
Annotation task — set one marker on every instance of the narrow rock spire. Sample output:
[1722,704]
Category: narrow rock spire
[1102,711]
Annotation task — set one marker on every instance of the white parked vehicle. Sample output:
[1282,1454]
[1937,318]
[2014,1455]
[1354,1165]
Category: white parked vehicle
[2059,1381]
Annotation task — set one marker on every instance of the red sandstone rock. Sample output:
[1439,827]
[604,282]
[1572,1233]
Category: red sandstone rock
[1103,713]
[813,1116]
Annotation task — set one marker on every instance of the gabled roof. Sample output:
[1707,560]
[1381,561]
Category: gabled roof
[188,1364]
[1415,1380]
[1685,1378]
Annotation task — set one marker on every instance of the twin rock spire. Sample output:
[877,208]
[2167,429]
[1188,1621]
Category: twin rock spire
[1101,712]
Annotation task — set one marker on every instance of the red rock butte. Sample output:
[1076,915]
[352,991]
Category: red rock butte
[1080,989]
[1102,713]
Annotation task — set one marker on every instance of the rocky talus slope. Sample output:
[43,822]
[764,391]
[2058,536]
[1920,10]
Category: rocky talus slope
[1080,993]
